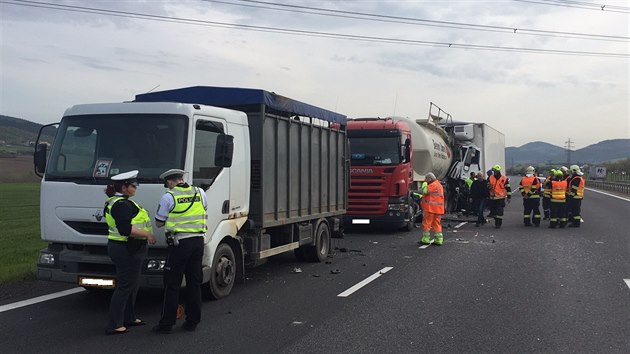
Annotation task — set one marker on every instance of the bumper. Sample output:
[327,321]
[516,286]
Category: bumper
[93,262]
[390,220]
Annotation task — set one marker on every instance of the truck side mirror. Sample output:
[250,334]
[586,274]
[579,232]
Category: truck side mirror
[224,151]
[39,158]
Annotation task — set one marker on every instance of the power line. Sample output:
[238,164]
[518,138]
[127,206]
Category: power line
[180,20]
[581,5]
[417,21]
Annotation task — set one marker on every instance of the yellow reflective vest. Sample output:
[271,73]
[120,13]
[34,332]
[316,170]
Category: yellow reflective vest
[188,214]
[140,221]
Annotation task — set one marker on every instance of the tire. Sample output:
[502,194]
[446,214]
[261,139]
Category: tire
[319,251]
[409,226]
[222,274]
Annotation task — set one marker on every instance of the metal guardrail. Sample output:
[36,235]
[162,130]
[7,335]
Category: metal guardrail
[618,187]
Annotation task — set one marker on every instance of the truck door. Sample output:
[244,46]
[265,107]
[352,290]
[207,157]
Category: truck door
[214,180]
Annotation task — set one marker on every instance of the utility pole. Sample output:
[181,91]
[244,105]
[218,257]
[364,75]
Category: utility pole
[569,146]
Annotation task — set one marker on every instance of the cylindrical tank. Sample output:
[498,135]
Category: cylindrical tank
[431,151]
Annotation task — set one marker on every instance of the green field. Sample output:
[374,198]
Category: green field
[19,231]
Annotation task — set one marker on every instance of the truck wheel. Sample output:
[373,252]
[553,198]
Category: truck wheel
[222,274]
[319,251]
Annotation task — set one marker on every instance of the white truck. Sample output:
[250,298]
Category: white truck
[275,171]
[452,150]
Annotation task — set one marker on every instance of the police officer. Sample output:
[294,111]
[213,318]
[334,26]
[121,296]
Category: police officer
[530,190]
[129,228]
[182,210]
[575,195]
[500,192]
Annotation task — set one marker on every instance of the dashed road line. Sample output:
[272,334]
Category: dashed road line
[38,299]
[364,282]
[461,224]
[627,282]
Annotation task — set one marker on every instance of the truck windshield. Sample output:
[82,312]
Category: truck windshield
[375,151]
[91,148]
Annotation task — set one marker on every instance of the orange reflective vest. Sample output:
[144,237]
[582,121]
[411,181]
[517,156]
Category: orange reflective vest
[558,191]
[530,187]
[497,187]
[576,187]
[433,199]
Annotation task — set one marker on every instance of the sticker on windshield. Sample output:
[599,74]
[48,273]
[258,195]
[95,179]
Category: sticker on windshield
[101,169]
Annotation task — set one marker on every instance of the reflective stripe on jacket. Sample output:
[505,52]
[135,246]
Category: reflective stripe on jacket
[140,221]
[433,200]
[498,188]
[558,191]
[576,189]
[187,218]
[530,187]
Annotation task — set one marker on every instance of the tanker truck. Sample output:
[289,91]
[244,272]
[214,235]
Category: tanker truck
[391,156]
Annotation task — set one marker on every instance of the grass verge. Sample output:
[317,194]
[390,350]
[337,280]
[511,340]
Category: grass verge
[19,231]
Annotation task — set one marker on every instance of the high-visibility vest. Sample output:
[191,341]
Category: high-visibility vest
[576,190]
[140,221]
[433,200]
[558,191]
[497,187]
[187,218]
[530,186]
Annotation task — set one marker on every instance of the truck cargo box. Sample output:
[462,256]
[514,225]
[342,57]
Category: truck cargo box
[299,152]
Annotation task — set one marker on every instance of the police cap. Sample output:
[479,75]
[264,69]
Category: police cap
[172,173]
[128,177]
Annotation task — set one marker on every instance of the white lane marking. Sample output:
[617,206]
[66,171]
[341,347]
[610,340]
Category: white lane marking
[364,282]
[627,282]
[38,299]
[608,194]
[461,224]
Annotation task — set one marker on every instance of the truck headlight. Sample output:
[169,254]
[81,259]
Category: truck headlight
[155,264]
[46,258]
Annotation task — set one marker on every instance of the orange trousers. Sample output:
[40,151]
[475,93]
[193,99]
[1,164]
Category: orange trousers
[431,221]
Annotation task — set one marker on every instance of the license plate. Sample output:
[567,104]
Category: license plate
[361,221]
[90,282]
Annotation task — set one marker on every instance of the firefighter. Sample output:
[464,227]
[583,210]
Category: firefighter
[530,190]
[558,201]
[433,209]
[575,194]
[500,193]
[547,193]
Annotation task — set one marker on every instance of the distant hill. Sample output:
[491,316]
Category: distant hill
[540,153]
[18,135]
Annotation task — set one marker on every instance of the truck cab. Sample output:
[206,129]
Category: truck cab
[380,174]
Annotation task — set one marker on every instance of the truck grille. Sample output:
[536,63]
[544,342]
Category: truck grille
[367,195]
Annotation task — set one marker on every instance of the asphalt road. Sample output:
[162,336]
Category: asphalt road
[515,289]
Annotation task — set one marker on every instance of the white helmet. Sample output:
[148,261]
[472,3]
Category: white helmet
[530,170]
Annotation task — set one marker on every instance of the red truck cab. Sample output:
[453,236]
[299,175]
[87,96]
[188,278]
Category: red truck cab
[381,174]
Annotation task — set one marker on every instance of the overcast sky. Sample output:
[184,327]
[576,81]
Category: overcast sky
[52,59]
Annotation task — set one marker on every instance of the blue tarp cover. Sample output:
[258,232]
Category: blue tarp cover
[231,96]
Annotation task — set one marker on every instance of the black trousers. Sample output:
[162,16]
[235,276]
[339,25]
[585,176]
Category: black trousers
[532,211]
[128,268]
[558,212]
[183,259]
[575,208]
[496,210]
[546,207]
